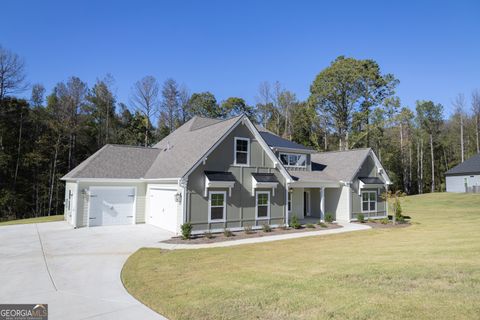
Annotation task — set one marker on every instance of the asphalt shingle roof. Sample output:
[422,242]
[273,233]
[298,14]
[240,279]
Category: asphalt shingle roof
[275,141]
[116,162]
[333,166]
[184,147]
[371,180]
[219,176]
[469,166]
[265,177]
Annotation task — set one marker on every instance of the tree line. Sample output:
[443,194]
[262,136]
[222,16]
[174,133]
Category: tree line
[352,104]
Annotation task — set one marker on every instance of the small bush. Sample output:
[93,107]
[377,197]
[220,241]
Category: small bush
[310,225]
[266,228]
[321,224]
[186,230]
[360,218]
[294,223]
[384,221]
[248,229]
[329,217]
[227,233]
[208,234]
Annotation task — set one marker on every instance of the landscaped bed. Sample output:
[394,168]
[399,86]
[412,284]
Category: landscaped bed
[237,235]
[427,271]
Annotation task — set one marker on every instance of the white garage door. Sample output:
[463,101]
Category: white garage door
[111,206]
[162,210]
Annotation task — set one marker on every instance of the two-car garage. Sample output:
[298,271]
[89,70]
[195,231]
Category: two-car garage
[104,205]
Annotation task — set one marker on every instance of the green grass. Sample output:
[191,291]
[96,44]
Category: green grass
[33,220]
[430,270]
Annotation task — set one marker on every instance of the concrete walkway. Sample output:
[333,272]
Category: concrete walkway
[347,227]
[77,272]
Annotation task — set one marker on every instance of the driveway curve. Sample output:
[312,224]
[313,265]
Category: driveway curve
[75,271]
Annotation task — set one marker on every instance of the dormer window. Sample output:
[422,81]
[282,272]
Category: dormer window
[293,159]
[242,151]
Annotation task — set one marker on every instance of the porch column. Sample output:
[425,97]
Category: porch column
[322,204]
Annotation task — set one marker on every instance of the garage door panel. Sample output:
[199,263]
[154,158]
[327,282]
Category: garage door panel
[112,206]
[162,211]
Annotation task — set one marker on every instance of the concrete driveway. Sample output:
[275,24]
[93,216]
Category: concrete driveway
[77,272]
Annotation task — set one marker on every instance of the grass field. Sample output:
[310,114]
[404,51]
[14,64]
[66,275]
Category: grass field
[33,220]
[430,270]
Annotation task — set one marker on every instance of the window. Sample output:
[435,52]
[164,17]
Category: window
[217,206]
[69,200]
[369,201]
[289,203]
[263,205]
[242,151]
[293,160]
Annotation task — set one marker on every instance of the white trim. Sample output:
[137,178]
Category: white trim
[112,187]
[307,212]
[266,185]
[218,184]
[322,204]
[315,184]
[292,154]
[210,220]
[369,201]
[235,152]
[294,150]
[256,205]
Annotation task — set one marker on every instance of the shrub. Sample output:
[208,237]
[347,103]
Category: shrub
[227,233]
[321,224]
[384,221]
[186,230]
[208,234]
[360,218]
[310,225]
[266,228]
[294,223]
[329,217]
[248,229]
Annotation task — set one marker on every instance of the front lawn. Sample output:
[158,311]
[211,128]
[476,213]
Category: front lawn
[430,270]
[33,220]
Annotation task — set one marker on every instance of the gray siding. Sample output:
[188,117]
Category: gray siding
[240,209]
[460,182]
[368,169]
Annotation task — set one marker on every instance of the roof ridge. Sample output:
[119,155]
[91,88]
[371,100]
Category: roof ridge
[340,151]
[218,120]
[129,146]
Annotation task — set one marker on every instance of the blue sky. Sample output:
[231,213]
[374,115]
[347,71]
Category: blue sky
[230,47]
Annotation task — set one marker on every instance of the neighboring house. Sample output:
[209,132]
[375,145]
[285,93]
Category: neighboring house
[465,177]
[220,174]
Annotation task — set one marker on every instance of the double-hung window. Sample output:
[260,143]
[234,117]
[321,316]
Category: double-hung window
[369,201]
[263,204]
[242,151]
[216,204]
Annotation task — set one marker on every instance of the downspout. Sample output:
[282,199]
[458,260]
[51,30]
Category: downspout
[287,187]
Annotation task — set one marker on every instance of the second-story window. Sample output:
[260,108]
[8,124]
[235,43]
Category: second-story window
[242,151]
[293,160]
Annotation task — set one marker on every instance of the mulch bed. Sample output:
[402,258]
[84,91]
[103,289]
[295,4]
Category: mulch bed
[379,225]
[237,235]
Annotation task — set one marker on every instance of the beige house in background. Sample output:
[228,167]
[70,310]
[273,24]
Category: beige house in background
[223,173]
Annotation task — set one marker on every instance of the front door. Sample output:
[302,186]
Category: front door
[306,203]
